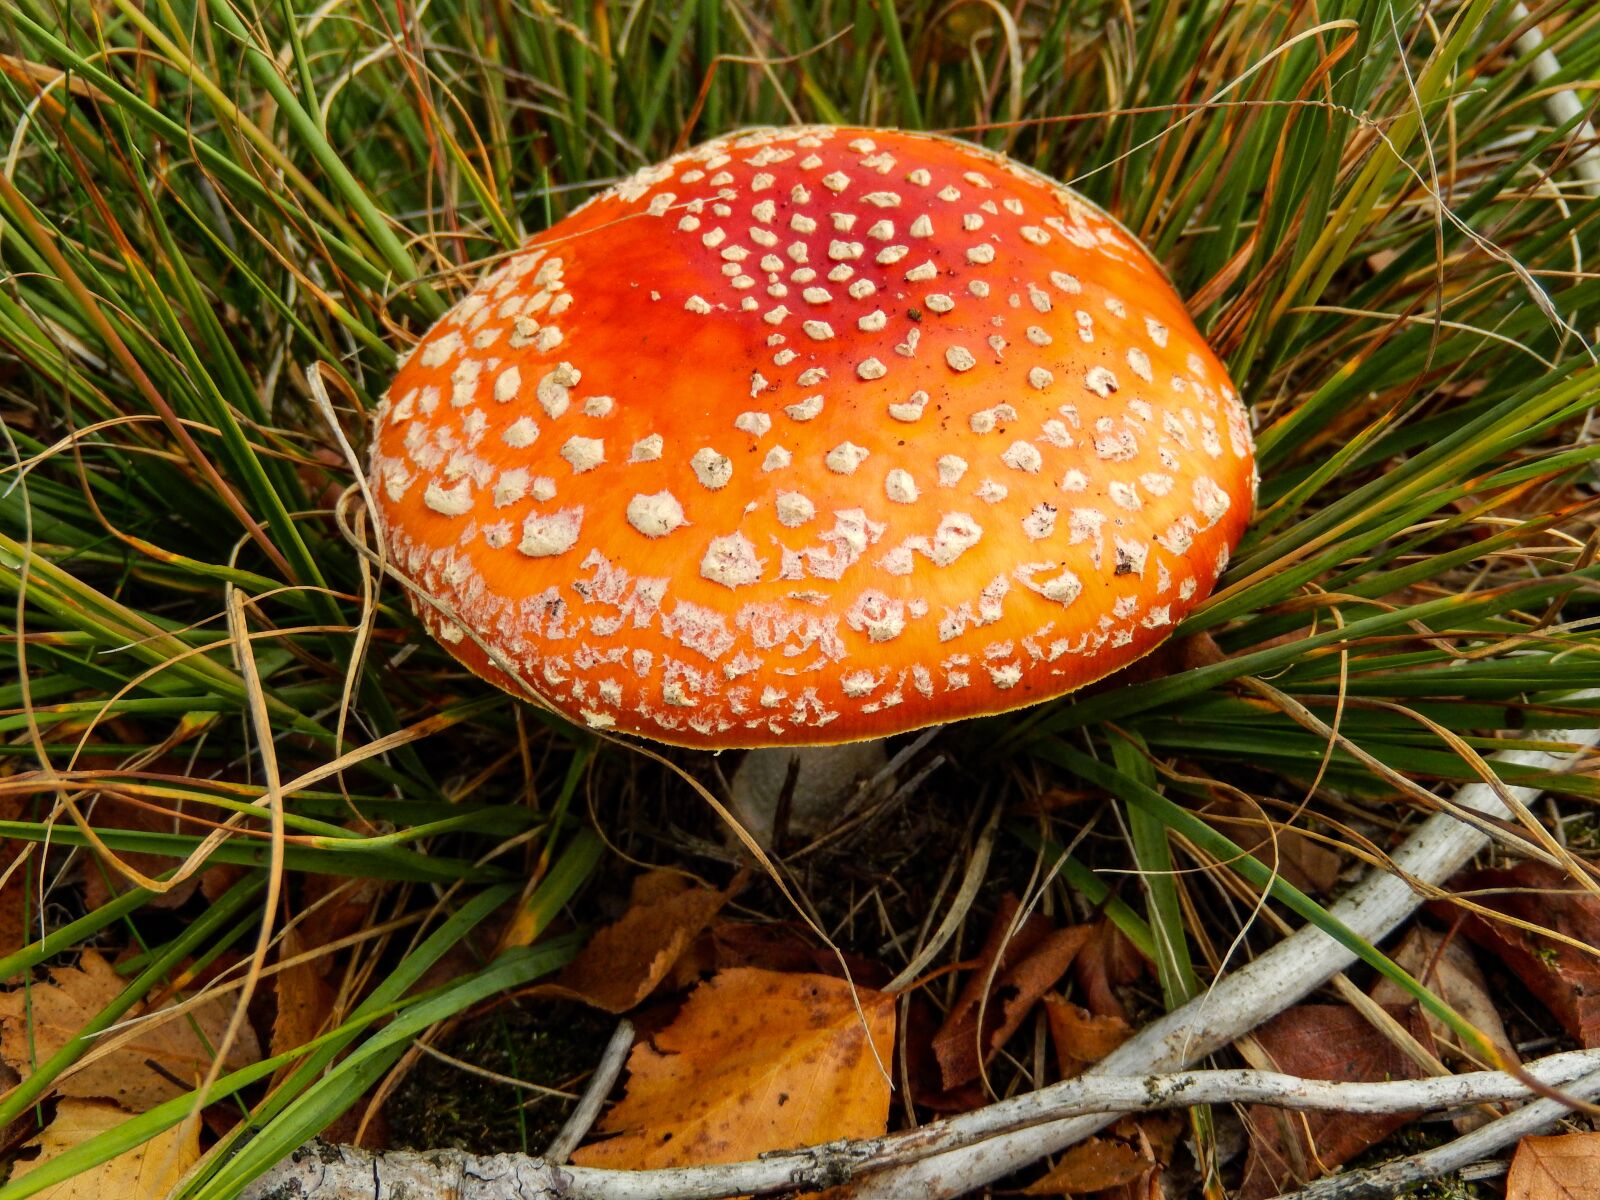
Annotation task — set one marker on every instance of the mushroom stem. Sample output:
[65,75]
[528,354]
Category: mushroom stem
[824,778]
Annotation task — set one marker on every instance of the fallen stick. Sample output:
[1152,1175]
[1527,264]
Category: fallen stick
[594,1096]
[1280,977]
[1392,1178]
[323,1172]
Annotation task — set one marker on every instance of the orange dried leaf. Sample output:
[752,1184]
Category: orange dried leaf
[755,1061]
[1080,1037]
[624,962]
[1092,1166]
[151,1169]
[1563,1167]
[787,946]
[1109,961]
[1565,979]
[305,1000]
[163,1058]
[1030,961]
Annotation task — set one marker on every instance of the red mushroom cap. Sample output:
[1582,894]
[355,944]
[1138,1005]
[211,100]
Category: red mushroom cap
[810,435]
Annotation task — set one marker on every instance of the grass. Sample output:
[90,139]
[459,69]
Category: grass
[201,201]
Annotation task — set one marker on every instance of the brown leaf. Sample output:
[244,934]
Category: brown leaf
[1448,969]
[1155,1137]
[216,880]
[1321,1041]
[1301,860]
[1565,979]
[1108,961]
[1563,1167]
[783,946]
[16,905]
[343,904]
[103,880]
[1080,1037]
[1030,961]
[623,963]
[755,1061]
[165,1056]
[149,1170]
[305,1000]
[1092,1166]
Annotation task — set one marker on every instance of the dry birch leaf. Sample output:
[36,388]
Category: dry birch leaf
[624,962]
[1446,967]
[1563,1167]
[164,1058]
[147,1171]
[1564,978]
[755,1061]
[305,1000]
[1080,1037]
[1321,1041]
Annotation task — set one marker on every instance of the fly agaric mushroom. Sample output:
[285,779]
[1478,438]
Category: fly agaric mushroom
[810,436]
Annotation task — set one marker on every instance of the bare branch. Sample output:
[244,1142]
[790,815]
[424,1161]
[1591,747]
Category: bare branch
[320,1172]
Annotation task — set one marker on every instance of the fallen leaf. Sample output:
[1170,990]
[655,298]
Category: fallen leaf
[1300,859]
[147,1171]
[1155,1136]
[1562,1167]
[1321,1041]
[343,904]
[305,1000]
[788,946]
[1565,979]
[217,879]
[162,1058]
[17,907]
[1108,961]
[1092,1166]
[1014,970]
[624,962]
[754,1061]
[1080,1037]
[1446,966]
[104,880]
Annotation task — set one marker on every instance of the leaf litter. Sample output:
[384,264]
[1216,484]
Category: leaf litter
[145,1172]
[754,1061]
[151,1060]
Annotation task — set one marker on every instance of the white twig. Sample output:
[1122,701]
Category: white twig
[1487,1140]
[319,1172]
[1237,1004]
[600,1084]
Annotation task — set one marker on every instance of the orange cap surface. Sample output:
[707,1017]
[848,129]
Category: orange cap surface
[809,435]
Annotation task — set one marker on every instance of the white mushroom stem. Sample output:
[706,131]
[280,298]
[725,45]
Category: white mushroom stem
[825,779]
[831,785]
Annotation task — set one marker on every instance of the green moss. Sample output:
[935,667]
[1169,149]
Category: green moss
[552,1045]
